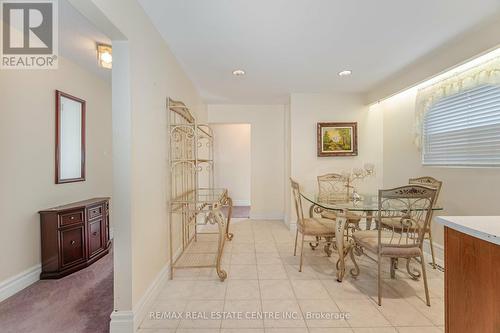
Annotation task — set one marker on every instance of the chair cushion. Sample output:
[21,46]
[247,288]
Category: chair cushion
[400,252]
[368,239]
[318,227]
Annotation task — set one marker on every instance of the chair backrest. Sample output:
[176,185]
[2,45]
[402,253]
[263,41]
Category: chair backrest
[429,182]
[332,187]
[410,207]
[298,201]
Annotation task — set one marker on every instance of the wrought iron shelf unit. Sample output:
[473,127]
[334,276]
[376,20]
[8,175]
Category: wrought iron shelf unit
[198,228]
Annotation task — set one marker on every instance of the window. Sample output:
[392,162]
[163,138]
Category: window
[464,129]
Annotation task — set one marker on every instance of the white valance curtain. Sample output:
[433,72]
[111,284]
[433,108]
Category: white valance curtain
[486,73]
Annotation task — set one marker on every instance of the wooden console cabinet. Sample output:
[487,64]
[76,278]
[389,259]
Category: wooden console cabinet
[73,236]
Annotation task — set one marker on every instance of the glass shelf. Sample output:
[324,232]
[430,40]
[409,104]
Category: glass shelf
[202,196]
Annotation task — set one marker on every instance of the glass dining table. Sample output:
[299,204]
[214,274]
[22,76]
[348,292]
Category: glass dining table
[365,207]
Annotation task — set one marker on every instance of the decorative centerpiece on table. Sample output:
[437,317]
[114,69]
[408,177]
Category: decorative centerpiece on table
[356,174]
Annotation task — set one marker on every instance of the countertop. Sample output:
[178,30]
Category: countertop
[486,228]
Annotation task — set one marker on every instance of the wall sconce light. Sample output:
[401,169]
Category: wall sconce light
[104,55]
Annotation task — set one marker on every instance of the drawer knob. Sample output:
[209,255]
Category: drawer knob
[72,218]
[73,242]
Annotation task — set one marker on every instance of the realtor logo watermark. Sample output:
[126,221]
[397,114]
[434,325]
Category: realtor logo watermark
[29,34]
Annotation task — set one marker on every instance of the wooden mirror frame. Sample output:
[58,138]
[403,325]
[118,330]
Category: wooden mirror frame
[58,178]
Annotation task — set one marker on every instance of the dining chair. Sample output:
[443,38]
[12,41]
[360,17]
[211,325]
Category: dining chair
[394,224]
[411,206]
[332,188]
[315,227]
[437,184]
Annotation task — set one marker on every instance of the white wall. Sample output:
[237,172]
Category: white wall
[232,155]
[27,148]
[289,215]
[151,75]
[268,166]
[306,110]
[466,191]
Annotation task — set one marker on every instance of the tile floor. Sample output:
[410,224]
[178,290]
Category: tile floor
[263,278]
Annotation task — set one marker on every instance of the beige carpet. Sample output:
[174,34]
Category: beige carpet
[80,302]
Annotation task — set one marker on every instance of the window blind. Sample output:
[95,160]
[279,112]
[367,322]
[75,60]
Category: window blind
[464,129]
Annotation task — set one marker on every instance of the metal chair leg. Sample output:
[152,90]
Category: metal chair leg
[379,277]
[424,275]
[296,236]
[301,252]
[432,249]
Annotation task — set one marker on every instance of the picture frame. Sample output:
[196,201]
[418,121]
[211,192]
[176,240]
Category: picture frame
[337,139]
[70,138]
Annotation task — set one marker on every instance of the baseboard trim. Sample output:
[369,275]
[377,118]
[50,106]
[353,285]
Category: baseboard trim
[241,203]
[149,296]
[20,281]
[121,322]
[127,321]
[266,216]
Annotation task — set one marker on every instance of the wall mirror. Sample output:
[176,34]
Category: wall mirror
[70,138]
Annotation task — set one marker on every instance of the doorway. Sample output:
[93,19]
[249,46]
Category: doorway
[232,155]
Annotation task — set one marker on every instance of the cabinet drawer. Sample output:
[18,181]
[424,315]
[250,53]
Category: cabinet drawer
[94,212]
[72,246]
[71,218]
[95,237]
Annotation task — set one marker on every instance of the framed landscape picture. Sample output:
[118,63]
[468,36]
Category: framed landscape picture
[337,139]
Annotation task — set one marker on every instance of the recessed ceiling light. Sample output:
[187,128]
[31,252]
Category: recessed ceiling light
[238,72]
[345,73]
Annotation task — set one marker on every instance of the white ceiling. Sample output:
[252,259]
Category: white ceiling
[300,45]
[78,38]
